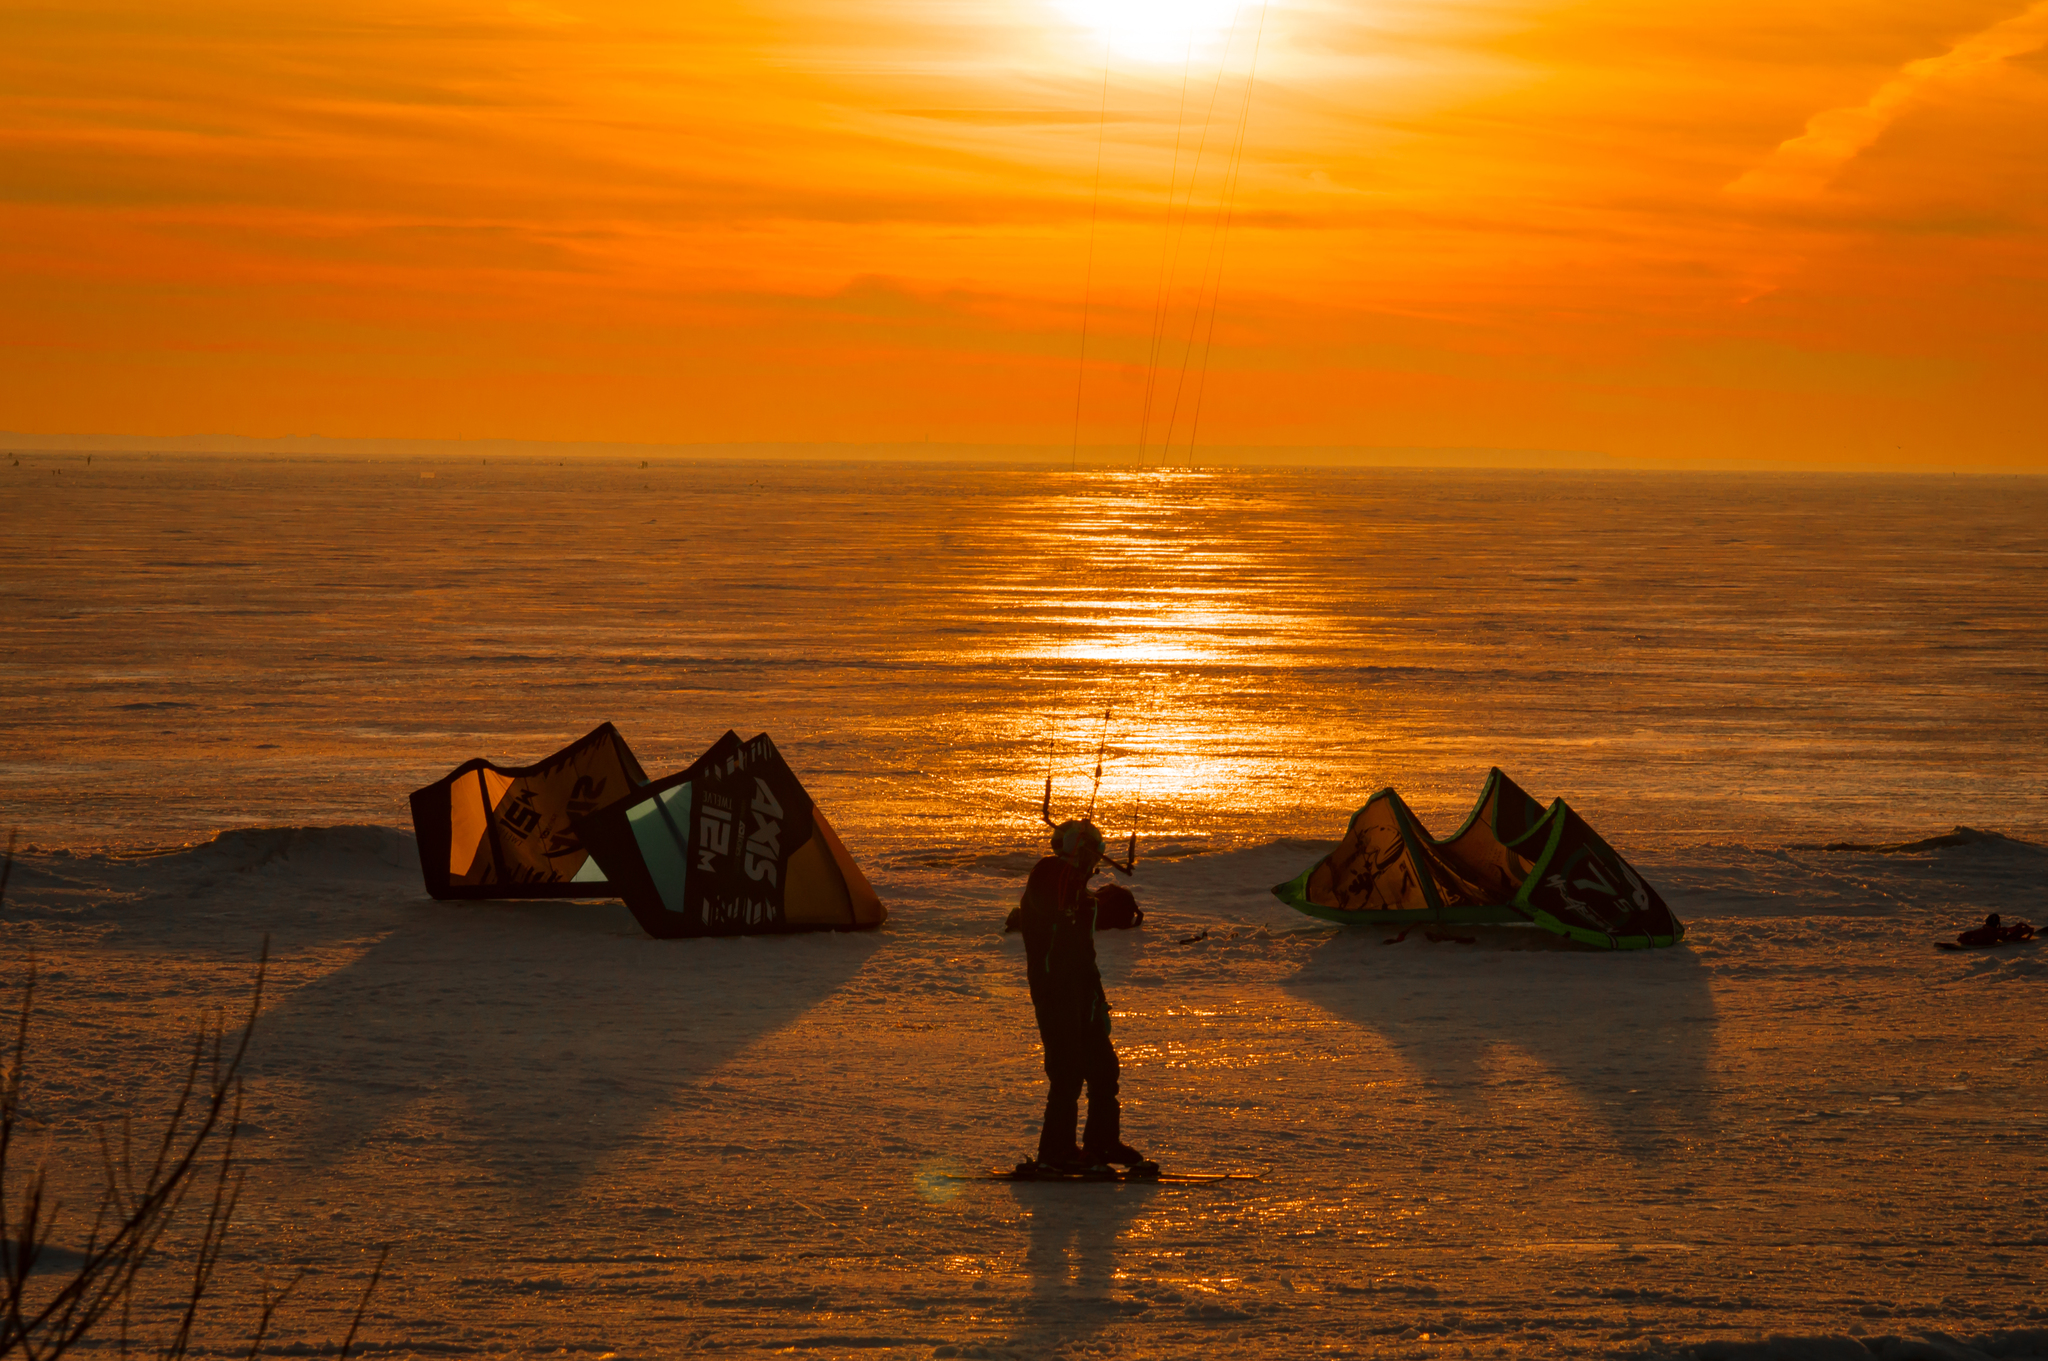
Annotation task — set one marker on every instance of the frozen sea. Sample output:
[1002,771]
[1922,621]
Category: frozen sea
[221,678]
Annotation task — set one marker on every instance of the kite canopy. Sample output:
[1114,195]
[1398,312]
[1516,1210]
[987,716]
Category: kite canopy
[488,832]
[731,846]
[1512,861]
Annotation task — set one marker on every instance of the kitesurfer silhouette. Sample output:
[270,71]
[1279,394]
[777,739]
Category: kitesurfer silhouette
[1057,915]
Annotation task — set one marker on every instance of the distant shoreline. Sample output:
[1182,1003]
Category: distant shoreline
[15,444]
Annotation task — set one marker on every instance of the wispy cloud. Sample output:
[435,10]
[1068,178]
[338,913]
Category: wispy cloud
[1452,221]
[1805,165]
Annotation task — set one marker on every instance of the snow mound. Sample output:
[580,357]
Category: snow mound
[344,852]
[237,871]
[1960,836]
[1966,874]
[2025,1344]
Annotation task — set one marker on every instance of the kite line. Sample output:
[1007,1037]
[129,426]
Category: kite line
[1088,272]
[1209,277]
[1223,233]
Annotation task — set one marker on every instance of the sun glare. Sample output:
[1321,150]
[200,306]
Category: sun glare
[1153,30]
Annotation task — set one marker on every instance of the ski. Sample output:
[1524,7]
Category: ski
[1141,1176]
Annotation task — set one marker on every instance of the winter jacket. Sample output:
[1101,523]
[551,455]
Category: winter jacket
[1058,920]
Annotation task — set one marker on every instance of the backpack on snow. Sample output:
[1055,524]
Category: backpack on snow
[1116,908]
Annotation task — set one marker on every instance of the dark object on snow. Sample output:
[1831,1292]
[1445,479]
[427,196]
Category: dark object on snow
[1514,860]
[1116,909]
[1992,932]
[1434,937]
[729,846]
[488,832]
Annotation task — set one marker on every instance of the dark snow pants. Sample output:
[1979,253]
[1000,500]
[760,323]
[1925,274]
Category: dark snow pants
[1070,1061]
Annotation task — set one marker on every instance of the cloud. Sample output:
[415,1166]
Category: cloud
[1003,118]
[1804,166]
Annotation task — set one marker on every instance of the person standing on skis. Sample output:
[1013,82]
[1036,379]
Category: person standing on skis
[1057,916]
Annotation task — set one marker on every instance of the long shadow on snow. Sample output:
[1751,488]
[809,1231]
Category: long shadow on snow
[526,1043]
[1071,1234]
[1631,1034]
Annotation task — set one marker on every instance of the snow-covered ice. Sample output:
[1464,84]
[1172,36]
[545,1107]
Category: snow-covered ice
[1802,1123]
[1805,1121]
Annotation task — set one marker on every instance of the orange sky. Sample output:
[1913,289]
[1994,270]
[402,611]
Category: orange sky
[1671,230]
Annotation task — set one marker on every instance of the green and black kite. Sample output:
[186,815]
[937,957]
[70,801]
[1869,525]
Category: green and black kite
[1513,861]
[730,846]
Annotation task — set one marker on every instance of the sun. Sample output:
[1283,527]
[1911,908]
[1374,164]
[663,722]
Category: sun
[1153,30]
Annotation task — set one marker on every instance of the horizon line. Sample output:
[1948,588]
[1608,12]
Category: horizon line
[18,444]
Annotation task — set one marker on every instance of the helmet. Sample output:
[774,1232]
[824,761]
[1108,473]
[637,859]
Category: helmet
[1070,836]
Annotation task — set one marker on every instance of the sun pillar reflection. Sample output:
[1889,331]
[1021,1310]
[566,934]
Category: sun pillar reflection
[1151,606]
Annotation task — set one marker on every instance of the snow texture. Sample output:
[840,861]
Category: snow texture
[1804,1133]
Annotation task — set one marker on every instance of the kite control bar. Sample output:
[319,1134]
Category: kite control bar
[1130,864]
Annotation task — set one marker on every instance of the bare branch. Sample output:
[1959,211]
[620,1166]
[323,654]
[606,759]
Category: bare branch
[362,1304]
[138,1204]
[271,1304]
